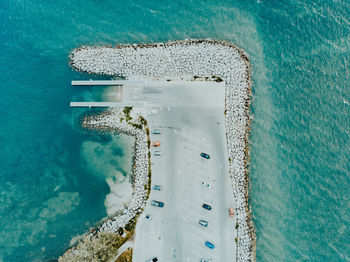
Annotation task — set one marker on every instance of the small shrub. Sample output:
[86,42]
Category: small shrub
[143,120]
[130,225]
[138,126]
[217,78]
[126,112]
[120,231]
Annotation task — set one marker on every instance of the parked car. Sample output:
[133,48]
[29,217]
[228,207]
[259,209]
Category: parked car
[204,155]
[203,223]
[206,206]
[207,185]
[157,203]
[155,132]
[155,143]
[157,187]
[153,259]
[210,245]
[157,153]
[148,217]
[231,212]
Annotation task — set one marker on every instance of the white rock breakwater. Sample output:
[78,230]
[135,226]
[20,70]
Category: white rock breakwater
[115,120]
[182,60]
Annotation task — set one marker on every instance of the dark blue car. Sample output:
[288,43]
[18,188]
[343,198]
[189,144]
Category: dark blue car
[204,155]
[210,245]
[207,207]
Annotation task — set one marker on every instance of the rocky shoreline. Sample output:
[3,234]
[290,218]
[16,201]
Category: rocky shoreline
[182,60]
[116,120]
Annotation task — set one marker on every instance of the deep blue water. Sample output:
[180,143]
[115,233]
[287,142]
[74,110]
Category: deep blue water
[300,132]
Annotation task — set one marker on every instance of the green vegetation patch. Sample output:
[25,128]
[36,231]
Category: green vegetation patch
[217,78]
[126,112]
[143,121]
[138,126]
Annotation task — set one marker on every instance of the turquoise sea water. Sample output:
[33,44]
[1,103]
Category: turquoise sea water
[300,132]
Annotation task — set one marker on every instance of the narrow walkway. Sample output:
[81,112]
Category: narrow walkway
[107,104]
[125,246]
[104,82]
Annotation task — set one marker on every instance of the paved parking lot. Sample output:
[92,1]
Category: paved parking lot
[174,232]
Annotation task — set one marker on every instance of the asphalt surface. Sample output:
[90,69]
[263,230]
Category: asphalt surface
[189,124]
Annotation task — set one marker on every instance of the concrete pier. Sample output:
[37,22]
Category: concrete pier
[107,104]
[104,82]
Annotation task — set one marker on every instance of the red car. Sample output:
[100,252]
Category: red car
[155,143]
[231,212]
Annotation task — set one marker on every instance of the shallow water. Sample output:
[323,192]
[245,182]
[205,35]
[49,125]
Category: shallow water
[300,131]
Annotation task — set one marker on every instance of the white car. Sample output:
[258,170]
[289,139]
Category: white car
[157,153]
[207,185]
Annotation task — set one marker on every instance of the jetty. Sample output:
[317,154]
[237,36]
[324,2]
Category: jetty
[104,82]
[107,104]
[119,100]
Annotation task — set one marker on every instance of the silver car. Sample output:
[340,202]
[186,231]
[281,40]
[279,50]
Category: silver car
[157,153]
[155,132]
